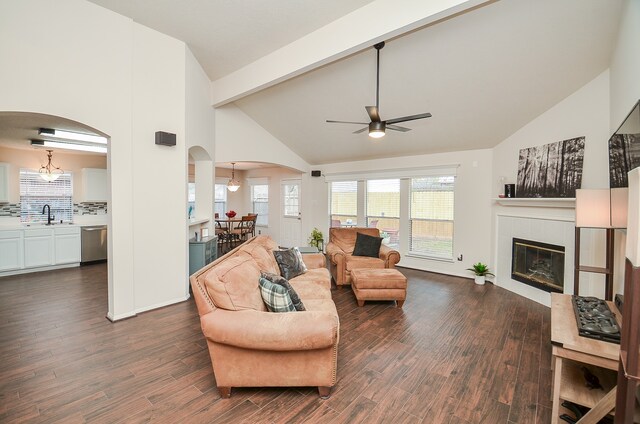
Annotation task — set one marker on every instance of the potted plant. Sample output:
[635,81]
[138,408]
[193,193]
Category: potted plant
[481,270]
[316,239]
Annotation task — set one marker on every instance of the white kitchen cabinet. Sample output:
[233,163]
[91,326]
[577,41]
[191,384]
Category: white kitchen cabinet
[67,245]
[4,182]
[11,250]
[94,185]
[38,247]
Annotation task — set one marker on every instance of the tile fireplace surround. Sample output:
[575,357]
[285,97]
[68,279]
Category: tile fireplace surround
[551,228]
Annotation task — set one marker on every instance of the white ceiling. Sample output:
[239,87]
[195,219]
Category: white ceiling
[225,35]
[483,75]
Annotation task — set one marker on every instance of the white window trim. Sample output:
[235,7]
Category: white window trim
[393,173]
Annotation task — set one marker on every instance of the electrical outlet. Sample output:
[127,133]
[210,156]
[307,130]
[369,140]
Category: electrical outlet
[259,232]
[460,257]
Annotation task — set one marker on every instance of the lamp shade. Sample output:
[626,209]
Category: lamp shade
[593,208]
[619,207]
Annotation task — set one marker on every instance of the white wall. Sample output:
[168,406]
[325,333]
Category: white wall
[240,138]
[472,213]
[200,134]
[160,175]
[584,113]
[77,60]
[274,176]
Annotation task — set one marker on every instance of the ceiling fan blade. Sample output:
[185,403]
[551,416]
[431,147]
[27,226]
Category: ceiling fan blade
[361,130]
[373,113]
[408,118]
[398,128]
[347,122]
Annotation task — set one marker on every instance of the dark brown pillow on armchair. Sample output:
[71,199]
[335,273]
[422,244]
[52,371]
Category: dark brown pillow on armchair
[367,245]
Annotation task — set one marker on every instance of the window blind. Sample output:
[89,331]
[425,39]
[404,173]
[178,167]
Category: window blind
[431,216]
[36,192]
[344,202]
[220,200]
[260,200]
[383,209]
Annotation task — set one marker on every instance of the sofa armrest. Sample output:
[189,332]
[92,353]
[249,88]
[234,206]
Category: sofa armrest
[335,254]
[249,329]
[390,256]
[314,260]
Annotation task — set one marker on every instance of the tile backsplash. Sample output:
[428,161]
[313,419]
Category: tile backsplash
[10,209]
[83,208]
[90,208]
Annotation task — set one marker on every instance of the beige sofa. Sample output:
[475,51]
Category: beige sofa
[251,347]
[340,249]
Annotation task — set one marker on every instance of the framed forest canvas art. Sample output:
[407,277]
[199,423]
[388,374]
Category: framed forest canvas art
[624,149]
[551,170]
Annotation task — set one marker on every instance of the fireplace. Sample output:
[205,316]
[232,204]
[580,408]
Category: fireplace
[540,265]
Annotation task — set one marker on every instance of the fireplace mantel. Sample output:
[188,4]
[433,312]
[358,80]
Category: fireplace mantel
[538,202]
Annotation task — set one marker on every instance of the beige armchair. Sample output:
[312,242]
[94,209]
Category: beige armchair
[340,249]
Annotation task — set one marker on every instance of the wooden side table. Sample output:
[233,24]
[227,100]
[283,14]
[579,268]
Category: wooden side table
[571,352]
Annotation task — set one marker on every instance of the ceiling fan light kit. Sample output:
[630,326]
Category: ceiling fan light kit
[377,127]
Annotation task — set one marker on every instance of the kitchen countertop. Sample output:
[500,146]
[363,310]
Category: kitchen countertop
[38,225]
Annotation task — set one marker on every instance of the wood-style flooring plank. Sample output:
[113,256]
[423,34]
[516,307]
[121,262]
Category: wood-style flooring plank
[455,353]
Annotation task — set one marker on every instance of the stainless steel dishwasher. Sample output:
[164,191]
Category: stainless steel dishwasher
[94,243]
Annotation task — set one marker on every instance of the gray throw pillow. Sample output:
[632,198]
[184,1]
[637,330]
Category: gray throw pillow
[290,262]
[277,279]
[367,245]
[276,297]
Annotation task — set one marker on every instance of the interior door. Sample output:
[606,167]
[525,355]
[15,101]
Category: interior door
[291,217]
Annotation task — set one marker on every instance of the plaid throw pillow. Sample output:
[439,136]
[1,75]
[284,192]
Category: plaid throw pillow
[281,281]
[275,297]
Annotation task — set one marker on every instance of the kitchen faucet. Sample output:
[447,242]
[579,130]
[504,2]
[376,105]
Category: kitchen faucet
[49,217]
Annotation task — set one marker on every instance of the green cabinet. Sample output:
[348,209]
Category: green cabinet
[202,252]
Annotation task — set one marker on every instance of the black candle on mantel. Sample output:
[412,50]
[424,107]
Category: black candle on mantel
[509,190]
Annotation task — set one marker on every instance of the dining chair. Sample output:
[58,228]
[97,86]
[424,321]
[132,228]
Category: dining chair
[242,229]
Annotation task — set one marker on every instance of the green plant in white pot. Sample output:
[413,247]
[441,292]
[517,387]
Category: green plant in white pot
[481,270]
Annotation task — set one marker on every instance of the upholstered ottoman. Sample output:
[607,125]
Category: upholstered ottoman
[379,284]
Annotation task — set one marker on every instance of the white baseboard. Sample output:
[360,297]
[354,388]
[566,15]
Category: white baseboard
[114,318]
[37,269]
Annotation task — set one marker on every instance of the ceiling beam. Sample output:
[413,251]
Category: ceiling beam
[378,21]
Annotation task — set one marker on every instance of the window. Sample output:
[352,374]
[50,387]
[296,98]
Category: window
[291,197]
[191,198]
[220,200]
[383,209]
[431,219]
[260,202]
[36,192]
[344,203]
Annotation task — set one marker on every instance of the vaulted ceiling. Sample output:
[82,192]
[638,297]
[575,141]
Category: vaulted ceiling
[483,73]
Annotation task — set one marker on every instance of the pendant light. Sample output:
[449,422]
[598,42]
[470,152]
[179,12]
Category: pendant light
[49,172]
[233,184]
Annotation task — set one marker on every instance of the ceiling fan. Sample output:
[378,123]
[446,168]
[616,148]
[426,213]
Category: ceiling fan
[377,126]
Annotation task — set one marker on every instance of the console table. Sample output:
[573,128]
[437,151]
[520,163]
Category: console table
[571,352]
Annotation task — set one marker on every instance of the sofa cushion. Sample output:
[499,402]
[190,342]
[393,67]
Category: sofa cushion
[290,262]
[316,276]
[281,281]
[275,296]
[233,283]
[326,305]
[356,262]
[263,257]
[367,245]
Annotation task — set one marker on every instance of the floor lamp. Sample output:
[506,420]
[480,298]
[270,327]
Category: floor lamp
[605,209]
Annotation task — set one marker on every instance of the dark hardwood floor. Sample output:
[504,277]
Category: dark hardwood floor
[456,353]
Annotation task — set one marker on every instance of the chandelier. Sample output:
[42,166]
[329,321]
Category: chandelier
[233,184]
[49,172]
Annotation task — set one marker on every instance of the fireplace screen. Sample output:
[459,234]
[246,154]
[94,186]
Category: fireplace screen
[538,264]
